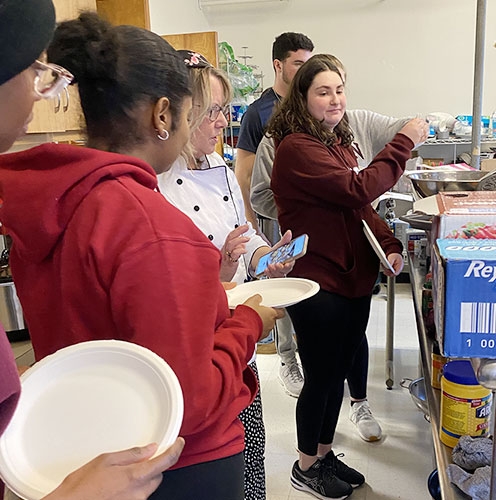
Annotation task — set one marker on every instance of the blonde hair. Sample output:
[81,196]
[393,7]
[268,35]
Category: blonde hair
[202,100]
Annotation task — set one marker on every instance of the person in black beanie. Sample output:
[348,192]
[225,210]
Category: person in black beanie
[26,27]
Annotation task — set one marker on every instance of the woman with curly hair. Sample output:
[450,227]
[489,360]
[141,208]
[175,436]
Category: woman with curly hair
[319,190]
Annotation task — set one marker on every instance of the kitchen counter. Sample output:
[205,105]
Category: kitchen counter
[23,352]
[442,452]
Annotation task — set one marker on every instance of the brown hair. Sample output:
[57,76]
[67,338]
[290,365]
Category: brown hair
[293,116]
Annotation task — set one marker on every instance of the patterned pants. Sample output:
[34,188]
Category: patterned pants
[252,419]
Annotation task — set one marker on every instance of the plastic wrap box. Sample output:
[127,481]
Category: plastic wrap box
[464,296]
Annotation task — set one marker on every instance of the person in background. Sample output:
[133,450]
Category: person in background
[202,186]
[372,132]
[25,30]
[289,51]
[319,190]
[98,253]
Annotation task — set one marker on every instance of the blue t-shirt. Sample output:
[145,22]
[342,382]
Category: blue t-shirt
[255,119]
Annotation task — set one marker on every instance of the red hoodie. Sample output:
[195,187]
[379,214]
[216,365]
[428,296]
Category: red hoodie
[99,254]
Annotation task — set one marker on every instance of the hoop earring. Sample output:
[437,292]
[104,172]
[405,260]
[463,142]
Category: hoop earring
[166,133]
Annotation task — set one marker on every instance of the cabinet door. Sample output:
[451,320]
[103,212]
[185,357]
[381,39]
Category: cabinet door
[133,12]
[70,9]
[46,118]
[204,42]
[61,114]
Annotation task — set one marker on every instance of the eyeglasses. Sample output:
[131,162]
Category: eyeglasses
[50,79]
[213,112]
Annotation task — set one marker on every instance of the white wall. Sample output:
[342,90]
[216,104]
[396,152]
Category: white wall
[402,56]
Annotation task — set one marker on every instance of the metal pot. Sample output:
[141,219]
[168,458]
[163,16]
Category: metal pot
[430,182]
[11,316]
[417,392]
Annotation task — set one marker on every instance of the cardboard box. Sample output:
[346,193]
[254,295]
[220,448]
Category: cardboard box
[488,165]
[464,297]
[432,162]
[465,214]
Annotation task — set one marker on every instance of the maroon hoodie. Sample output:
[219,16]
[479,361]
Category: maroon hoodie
[318,191]
[98,253]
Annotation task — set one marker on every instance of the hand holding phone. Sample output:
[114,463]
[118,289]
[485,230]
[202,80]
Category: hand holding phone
[293,250]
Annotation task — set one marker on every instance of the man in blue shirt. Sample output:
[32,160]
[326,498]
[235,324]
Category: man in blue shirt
[289,52]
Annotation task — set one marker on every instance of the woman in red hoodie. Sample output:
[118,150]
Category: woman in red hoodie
[25,30]
[99,254]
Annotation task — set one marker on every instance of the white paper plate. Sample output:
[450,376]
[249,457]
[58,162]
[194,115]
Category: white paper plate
[275,292]
[377,248]
[84,400]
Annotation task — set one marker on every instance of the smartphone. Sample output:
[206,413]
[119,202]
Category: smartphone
[293,250]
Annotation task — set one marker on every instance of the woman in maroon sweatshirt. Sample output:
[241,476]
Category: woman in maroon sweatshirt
[99,254]
[319,191]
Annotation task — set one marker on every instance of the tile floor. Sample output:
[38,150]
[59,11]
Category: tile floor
[396,467]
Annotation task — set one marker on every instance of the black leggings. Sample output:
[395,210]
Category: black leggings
[358,373]
[329,329]
[215,480]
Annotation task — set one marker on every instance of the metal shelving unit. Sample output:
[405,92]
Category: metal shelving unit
[233,125]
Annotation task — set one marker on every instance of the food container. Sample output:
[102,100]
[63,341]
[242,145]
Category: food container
[465,405]
[437,366]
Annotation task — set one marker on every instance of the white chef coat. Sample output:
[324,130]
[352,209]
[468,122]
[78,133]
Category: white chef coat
[212,198]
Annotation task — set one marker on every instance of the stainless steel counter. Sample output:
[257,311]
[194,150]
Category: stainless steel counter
[442,452]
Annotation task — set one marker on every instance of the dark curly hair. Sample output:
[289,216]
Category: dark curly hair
[293,116]
[117,69]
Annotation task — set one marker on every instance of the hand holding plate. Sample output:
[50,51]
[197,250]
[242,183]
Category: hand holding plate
[268,315]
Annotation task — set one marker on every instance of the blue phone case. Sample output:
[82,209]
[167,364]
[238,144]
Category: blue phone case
[294,249]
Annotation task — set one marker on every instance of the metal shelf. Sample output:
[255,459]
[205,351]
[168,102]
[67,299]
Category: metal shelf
[456,140]
[213,3]
[442,452]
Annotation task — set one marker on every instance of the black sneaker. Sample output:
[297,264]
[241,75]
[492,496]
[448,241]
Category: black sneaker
[341,470]
[320,482]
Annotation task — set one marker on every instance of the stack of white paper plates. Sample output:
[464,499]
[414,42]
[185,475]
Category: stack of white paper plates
[275,292]
[84,400]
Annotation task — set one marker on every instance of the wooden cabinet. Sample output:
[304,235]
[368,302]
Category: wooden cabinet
[204,42]
[133,12]
[63,113]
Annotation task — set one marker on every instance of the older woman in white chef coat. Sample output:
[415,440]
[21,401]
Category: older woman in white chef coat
[202,186]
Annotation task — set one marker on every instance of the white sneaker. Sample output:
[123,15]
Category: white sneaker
[367,426]
[291,378]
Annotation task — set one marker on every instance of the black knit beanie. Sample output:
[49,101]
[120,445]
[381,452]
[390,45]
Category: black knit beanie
[26,27]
